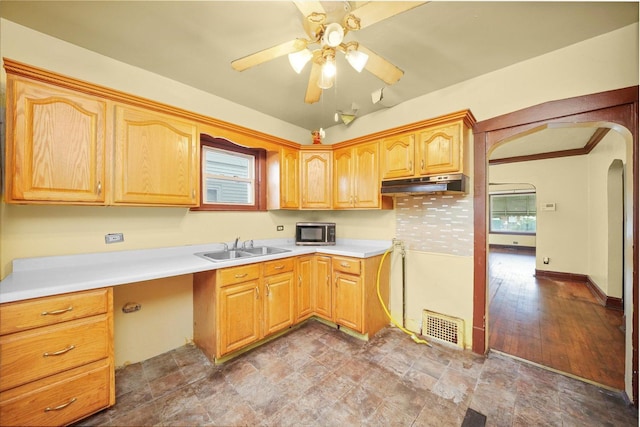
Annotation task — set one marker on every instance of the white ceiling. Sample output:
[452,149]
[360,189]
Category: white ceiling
[436,44]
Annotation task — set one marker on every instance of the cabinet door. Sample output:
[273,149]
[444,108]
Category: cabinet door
[278,302]
[348,301]
[239,316]
[289,179]
[316,180]
[366,180]
[343,178]
[156,159]
[439,149]
[323,302]
[55,145]
[304,288]
[397,156]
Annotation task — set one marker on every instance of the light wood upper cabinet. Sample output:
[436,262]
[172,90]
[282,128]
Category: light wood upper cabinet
[356,177]
[440,149]
[156,159]
[437,148]
[398,156]
[315,179]
[343,167]
[289,178]
[56,145]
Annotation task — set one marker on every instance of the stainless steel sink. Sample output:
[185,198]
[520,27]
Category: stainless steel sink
[224,255]
[264,250]
[230,254]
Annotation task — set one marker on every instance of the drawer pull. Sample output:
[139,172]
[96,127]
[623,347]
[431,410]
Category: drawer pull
[50,313]
[279,267]
[345,265]
[57,408]
[240,276]
[58,353]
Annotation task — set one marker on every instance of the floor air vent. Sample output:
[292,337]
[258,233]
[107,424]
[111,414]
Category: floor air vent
[443,328]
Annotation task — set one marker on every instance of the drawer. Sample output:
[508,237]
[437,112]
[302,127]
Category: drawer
[59,400]
[37,353]
[347,265]
[232,275]
[278,266]
[22,315]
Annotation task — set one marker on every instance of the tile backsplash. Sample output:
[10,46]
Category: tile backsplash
[436,223]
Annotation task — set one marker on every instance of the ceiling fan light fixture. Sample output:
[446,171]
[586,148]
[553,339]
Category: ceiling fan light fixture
[333,35]
[299,59]
[357,59]
[325,81]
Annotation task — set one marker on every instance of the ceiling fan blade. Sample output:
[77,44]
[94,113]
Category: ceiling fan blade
[314,17]
[268,54]
[381,68]
[373,12]
[313,90]
[309,7]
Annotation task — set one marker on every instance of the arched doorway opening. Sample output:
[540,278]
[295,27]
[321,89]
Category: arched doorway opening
[618,107]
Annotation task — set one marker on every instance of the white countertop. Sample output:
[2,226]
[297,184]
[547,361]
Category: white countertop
[44,276]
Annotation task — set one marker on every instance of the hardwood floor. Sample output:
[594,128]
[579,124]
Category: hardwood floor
[554,323]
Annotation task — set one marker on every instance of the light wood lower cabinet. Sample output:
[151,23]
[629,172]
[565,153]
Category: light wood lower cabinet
[278,295]
[304,287]
[323,307]
[236,307]
[56,358]
[355,298]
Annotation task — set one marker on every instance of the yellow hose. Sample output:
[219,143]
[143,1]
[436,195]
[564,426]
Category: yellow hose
[384,307]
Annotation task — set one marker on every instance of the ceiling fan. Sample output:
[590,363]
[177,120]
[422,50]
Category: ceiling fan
[328,28]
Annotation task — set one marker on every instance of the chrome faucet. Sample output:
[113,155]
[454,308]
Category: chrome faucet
[235,244]
[244,244]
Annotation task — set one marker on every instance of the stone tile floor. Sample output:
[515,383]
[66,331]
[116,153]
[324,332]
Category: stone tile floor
[319,376]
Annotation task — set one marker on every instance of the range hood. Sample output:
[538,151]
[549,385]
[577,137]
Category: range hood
[452,184]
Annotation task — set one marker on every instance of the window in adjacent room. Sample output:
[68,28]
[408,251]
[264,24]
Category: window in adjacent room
[232,176]
[513,213]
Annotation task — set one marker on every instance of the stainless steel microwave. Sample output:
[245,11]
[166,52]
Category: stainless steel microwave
[315,233]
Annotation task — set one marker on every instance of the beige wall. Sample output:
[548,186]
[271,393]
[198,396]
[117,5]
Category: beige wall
[561,234]
[35,231]
[601,256]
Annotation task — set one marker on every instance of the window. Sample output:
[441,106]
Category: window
[513,213]
[232,176]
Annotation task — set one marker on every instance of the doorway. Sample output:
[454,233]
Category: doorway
[620,109]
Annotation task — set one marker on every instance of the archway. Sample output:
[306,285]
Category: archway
[619,107]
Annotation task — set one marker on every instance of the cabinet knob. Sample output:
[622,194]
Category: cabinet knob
[99,188]
[257,293]
[240,276]
[268,291]
[279,267]
[422,164]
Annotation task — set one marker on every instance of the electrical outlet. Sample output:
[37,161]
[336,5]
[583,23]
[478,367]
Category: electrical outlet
[280,228]
[113,238]
[545,260]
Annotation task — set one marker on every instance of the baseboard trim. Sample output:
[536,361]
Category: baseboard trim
[515,248]
[559,275]
[604,300]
